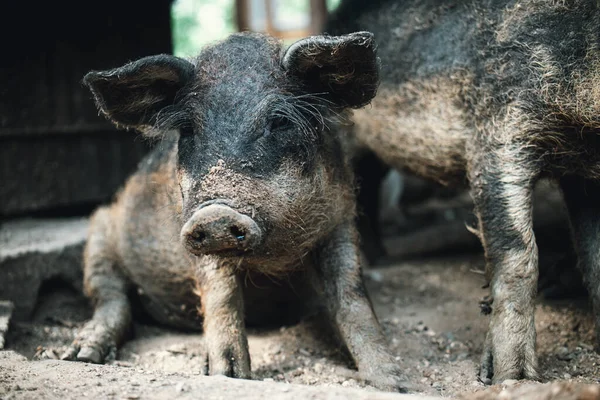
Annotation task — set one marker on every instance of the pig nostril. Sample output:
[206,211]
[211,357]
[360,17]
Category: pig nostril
[198,236]
[239,234]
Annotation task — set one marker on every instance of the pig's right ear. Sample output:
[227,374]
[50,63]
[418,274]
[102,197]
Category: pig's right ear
[132,95]
[343,69]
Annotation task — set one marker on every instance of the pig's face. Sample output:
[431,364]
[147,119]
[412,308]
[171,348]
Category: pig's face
[260,171]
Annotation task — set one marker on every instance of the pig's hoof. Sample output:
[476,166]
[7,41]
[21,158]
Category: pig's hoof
[493,371]
[486,369]
[89,354]
[387,378]
[228,365]
[93,344]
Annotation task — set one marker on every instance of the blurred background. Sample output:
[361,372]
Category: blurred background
[199,22]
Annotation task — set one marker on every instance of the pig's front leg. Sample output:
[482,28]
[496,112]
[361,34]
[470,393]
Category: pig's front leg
[223,310]
[502,181]
[338,277]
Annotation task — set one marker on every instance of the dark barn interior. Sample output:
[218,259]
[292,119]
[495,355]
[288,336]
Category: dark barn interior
[68,158]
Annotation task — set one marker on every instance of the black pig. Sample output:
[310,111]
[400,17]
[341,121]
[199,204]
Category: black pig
[249,177]
[496,94]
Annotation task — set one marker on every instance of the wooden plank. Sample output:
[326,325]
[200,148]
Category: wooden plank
[242,15]
[318,16]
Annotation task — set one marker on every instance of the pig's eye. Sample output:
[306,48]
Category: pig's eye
[275,125]
[186,130]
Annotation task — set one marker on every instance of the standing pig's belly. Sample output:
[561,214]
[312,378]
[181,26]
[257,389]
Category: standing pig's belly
[417,126]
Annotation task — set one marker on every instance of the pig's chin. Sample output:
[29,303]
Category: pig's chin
[231,253]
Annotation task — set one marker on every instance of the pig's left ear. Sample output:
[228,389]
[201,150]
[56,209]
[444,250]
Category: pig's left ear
[133,95]
[343,69]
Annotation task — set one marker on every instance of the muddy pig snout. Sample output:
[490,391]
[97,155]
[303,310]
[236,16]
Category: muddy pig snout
[217,228]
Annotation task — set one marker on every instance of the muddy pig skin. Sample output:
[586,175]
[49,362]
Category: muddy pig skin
[495,94]
[247,179]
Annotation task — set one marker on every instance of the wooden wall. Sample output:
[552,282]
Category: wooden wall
[55,151]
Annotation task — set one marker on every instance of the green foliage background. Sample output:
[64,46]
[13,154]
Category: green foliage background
[196,23]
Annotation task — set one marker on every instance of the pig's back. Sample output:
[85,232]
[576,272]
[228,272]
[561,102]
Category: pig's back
[417,120]
[451,70]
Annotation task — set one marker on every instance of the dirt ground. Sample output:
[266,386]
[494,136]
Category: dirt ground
[428,308]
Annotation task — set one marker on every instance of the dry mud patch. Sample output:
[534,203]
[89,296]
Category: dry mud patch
[429,310]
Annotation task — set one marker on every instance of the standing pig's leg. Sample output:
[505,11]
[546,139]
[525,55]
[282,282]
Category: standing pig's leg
[223,310]
[338,277]
[370,172]
[582,197]
[501,187]
[107,287]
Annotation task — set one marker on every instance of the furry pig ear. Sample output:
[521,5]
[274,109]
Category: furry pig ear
[344,68]
[133,94]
